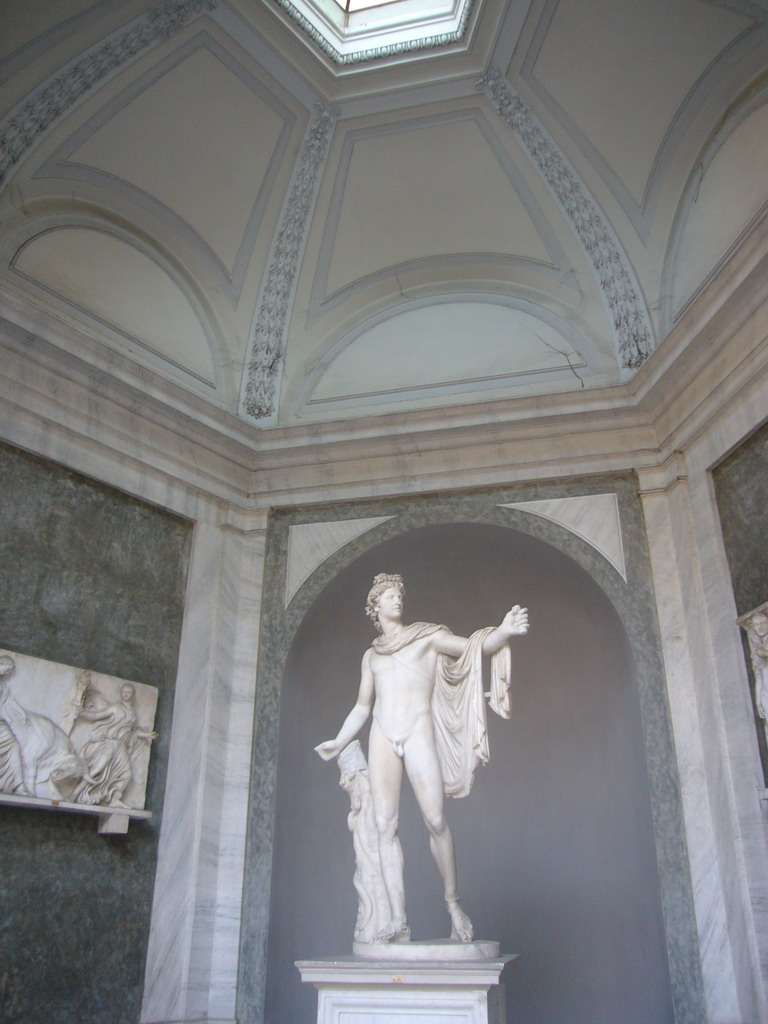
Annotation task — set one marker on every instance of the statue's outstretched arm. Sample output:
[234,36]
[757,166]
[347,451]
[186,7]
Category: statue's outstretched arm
[514,623]
[356,718]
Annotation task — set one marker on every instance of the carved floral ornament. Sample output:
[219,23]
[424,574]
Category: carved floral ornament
[631,322]
[272,317]
[72,739]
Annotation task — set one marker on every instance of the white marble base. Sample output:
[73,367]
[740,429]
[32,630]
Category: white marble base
[356,991]
[435,951]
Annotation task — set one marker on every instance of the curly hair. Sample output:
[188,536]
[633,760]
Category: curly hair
[381,582]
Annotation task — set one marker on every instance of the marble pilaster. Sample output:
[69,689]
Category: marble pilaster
[675,576]
[715,738]
[193,948]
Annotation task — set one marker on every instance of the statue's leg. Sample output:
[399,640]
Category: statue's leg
[385,773]
[423,768]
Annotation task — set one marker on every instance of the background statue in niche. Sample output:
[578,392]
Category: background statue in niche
[110,751]
[37,758]
[756,625]
[424,686]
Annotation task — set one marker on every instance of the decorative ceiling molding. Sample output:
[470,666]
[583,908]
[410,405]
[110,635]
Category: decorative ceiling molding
[267,344]
[632,328]
[593,517]
[26,124]
[309,544]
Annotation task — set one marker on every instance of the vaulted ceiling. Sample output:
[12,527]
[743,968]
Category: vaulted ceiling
[206,193]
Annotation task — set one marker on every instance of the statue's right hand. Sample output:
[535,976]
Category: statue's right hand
[328,750]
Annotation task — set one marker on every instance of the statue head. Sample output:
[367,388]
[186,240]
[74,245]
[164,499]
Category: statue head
[381,582]
[7,666]
[127,693]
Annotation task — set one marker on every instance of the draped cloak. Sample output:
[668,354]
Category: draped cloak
[458,705]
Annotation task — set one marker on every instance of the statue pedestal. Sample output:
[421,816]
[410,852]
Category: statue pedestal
[354,990]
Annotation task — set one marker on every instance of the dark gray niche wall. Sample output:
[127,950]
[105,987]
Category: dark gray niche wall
[555,845]
[91,578]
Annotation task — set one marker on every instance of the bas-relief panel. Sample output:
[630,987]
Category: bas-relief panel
[67,734]
[632,599]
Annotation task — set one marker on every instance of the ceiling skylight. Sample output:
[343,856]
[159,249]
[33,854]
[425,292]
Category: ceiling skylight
[350,6]
[355,31]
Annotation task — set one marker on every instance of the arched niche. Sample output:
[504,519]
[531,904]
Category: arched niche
[570,847]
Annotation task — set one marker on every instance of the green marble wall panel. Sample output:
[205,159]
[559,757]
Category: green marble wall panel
[92,578]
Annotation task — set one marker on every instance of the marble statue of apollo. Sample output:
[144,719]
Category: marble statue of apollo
[424,686]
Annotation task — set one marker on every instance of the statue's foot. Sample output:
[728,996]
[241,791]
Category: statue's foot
[461,926]
[396,931]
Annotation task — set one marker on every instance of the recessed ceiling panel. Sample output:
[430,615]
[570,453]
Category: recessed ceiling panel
[620,70]
[441,190]
[443,348]
[732,191]
[199,140]
[104,278]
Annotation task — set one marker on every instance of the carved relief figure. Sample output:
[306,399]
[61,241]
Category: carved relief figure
[373,903]
[423,686]
[756,625]
[37,758]
[109,752]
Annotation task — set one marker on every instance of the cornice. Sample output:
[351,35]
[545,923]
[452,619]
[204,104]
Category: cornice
[100,403]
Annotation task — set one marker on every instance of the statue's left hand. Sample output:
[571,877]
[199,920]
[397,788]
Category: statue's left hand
[516,621]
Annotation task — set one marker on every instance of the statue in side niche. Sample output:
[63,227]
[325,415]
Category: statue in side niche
[37,758]
[424,688]
[756,625]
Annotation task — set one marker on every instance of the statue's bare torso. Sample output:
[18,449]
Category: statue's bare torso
[403,683]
